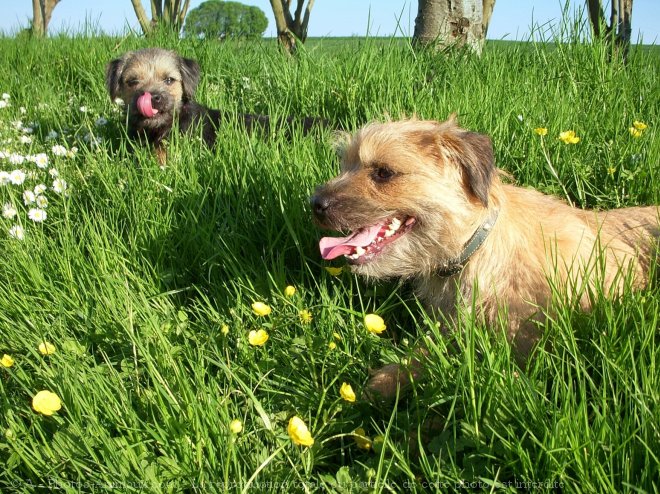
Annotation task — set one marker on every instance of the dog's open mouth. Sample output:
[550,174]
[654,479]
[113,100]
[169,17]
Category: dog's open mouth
[365,243]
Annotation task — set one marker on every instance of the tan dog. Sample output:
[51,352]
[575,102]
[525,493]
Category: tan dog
[424,201]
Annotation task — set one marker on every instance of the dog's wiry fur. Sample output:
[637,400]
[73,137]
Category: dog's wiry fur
[444,177]
[171,80]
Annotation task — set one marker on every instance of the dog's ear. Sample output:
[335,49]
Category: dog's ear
[478,164]
[189,77]
[113,76]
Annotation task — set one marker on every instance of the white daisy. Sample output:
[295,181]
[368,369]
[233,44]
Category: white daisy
[28,197]
[16,159]
[72,152]
[59,185]
[5,178]
[40,189]
[17,232]
[54,173]
[3,104]
[59,150]
[25,140]
[22,109]
[9,211]
[17,124]
[83,109]
[100,122]
[41,201]
[5,96]
[37,215]
[41,160]
[119,102]
[52,135]
[17,177]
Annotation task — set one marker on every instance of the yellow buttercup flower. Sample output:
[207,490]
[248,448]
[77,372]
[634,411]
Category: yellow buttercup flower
[46,348]
[361,438]
[236,426]
[610,171]
[378,443]
[299,433]
[261,309]
[374,323]
[305,316]
[290,291]
[347,393]
[258,337]
[224,329]
[46,402]
[7,361]
[569,137]
[635,132]
[332,345]
[542,131]
[334,271]
[336,335]
[639,125]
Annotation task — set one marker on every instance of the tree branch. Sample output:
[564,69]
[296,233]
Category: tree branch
[488,7]
[596,16]
[308,11]
[141,14]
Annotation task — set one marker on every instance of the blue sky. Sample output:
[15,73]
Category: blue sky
[512,19]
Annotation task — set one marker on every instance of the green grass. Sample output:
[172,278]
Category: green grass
[137,269]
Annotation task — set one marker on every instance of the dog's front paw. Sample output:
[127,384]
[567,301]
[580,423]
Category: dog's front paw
[384,382]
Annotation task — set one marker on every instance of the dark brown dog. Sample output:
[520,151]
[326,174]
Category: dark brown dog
[424,201]
[158,89]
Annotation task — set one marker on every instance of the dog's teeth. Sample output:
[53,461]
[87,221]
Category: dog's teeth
[395,224]
[389,233]
[359,252]
[410,221]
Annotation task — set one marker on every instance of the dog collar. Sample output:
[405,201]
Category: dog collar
[472,245]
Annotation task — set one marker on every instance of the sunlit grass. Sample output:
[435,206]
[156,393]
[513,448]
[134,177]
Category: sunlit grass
[143,279]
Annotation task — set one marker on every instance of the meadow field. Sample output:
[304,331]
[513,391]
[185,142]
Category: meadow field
[126,289]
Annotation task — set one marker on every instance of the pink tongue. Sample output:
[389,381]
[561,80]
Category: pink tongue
[332,247]
[144,105]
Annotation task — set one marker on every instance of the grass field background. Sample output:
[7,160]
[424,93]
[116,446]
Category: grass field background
[142,279]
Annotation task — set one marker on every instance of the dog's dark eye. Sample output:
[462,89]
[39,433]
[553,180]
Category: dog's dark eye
[169,81]
[132,82]
[382,174]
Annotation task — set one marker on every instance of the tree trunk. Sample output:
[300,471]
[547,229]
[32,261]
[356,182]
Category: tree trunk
[444,23]
[42,11]
[291,28]
[141,16]
[619,31]
[169,14]
[183,12]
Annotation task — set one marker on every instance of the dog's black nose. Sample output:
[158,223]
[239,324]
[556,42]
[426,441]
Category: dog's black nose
[320,204]
[156,97]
